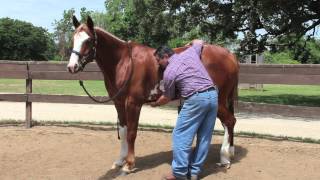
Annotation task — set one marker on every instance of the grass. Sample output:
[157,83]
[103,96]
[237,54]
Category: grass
[305,95]
[53,87]
[273,94]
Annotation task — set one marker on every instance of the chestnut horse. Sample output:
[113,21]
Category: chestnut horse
[130,73]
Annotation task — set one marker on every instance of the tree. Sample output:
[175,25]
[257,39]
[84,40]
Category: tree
[21,40]
[256,25]
[63,33]
[260,24]
[119,18]
[257,20]
[143,21]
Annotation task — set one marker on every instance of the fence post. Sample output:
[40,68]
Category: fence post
[28,103]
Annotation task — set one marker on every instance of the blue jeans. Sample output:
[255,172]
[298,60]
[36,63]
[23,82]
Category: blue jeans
[197,117]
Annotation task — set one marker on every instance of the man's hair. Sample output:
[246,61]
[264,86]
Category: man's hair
[163,50]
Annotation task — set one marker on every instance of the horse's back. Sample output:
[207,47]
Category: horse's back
[221,64]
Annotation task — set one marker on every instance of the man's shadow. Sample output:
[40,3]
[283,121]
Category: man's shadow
[156,159]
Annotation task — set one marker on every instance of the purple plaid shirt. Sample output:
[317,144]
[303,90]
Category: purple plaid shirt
[186,73]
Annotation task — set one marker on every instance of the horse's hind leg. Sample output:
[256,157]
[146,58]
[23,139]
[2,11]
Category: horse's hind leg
[123,137]
[228,121]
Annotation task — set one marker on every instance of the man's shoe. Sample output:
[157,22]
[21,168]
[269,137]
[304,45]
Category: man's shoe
[170,176]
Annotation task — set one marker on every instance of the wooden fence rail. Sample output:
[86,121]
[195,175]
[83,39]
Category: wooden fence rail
[249,73]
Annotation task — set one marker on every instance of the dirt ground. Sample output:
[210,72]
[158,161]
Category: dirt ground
[74,153]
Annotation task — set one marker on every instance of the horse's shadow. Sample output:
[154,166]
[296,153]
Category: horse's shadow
[156,159]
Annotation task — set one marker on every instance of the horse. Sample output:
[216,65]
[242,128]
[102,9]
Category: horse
[131,72]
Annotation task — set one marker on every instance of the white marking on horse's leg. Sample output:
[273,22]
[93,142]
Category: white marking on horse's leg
[225,149]
[79,38]
[124,148]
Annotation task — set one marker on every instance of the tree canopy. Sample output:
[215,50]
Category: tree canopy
[250,26]
[258,21]
[20,40]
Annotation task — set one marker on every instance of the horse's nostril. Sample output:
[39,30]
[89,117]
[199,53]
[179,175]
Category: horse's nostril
[69,69]
[76,66]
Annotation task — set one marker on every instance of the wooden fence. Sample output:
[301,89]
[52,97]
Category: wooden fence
[249,73]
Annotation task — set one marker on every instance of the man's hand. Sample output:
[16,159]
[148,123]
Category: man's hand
[161,101]
[153,104]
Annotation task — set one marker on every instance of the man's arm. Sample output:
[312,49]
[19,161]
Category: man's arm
[197,41]
[197,45]
[161,101]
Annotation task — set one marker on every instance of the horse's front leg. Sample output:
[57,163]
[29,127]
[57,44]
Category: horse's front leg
[123,136]
[132,116]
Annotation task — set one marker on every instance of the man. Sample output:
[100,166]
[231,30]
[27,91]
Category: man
[186,73]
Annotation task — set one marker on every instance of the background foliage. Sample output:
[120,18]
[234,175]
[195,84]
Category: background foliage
[285,31]
[20,40]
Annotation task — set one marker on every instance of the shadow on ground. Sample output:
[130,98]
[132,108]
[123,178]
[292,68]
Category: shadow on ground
[157,159]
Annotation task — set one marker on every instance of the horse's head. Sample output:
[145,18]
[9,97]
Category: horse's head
[84,45]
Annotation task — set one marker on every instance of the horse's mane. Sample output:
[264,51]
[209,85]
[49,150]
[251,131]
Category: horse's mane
[109,34]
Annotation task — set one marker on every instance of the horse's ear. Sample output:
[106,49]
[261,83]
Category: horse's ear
[75,21]
[90,23]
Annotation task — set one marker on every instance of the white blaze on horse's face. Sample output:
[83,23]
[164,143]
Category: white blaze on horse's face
[79,39]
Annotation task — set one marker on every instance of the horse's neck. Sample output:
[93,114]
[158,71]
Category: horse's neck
[110,51]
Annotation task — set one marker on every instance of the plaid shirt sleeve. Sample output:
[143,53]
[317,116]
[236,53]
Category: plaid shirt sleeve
[197,48]
[169,84]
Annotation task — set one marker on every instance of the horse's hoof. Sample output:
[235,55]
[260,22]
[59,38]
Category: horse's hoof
[127,169]
[117,165]
[227,166]
[122,173]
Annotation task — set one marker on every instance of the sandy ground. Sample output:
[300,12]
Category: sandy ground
[265,124]
[60,153]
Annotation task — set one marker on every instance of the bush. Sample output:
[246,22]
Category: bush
[279,58]
[20,40]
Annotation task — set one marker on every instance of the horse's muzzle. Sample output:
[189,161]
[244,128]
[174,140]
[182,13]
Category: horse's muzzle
[73,69]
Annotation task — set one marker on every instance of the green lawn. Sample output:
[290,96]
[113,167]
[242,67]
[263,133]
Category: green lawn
[274,94]
[53,87]
[283,94]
